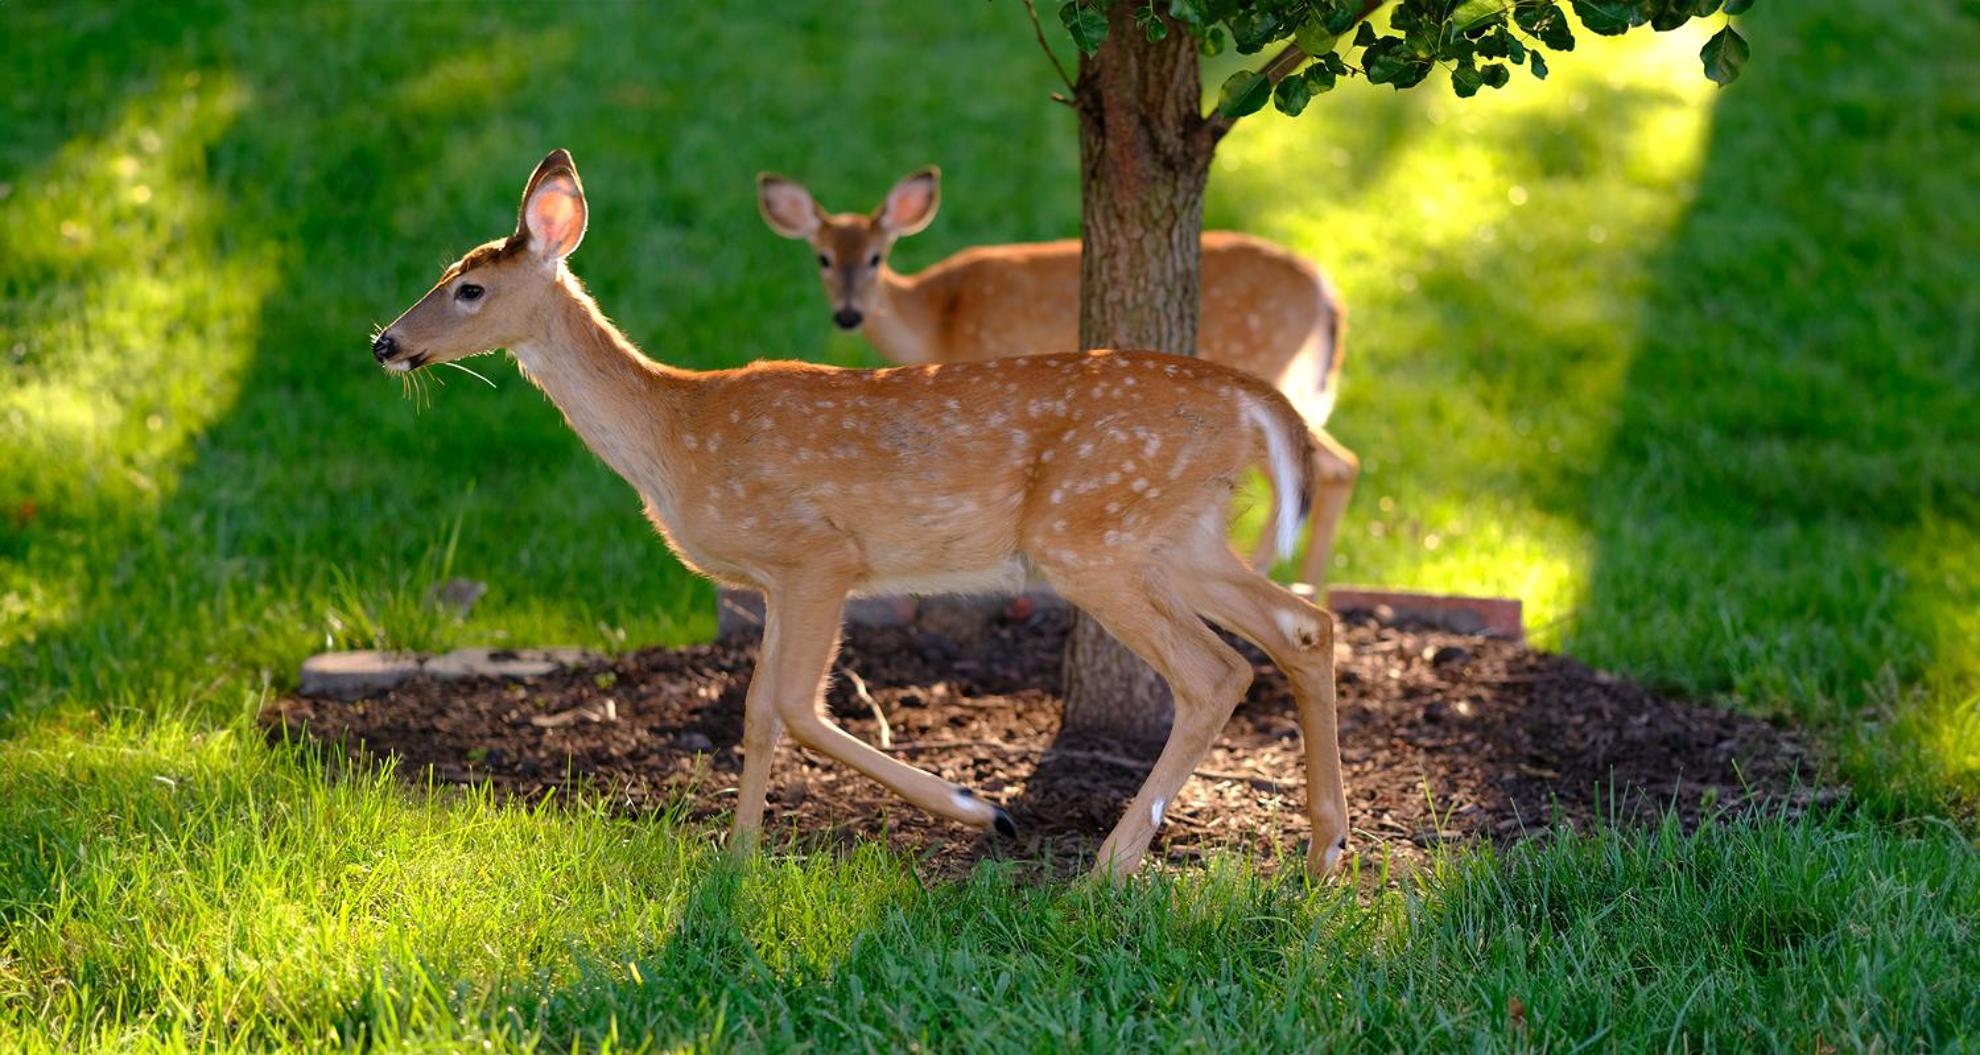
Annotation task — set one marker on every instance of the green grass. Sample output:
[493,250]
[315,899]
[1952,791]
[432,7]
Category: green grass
[1691,371]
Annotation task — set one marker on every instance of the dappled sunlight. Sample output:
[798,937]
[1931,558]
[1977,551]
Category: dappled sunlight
[1459,346]
[1941,714]
[140,305]
[138,314]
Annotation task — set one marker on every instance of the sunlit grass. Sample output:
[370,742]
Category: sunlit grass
[1433,212]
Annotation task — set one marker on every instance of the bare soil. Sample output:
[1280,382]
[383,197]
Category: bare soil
[1444,736]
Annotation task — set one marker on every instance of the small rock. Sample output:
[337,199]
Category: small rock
[457,595]
[1448,655]
[695,742]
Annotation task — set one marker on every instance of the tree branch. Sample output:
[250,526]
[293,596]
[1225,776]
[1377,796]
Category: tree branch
[1039,30]
[1278,69]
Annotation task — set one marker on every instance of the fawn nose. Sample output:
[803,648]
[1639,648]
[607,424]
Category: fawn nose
[847,318]
[384,348]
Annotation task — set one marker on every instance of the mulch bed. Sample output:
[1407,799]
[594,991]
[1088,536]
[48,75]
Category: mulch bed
[1445,736]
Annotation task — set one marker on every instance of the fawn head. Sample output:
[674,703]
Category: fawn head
[851,248]
[494,296]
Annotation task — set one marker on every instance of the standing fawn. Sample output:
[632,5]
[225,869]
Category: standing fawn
[1265,311]
[1107,473]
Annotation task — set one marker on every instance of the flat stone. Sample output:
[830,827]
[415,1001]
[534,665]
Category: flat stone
[353,674]
[514,663]
[1492,616]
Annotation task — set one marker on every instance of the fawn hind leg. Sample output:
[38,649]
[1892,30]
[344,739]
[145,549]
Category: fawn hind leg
[1139,607]
[800,635]
[1299,638]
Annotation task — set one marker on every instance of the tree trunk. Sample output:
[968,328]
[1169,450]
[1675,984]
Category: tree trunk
[1144,151]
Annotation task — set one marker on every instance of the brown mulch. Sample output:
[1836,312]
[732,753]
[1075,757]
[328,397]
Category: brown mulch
[1444,737]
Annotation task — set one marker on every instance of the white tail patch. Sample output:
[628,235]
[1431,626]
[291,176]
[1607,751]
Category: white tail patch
[1283,457]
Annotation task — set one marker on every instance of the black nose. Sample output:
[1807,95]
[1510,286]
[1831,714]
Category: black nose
[847,318]
[384,348]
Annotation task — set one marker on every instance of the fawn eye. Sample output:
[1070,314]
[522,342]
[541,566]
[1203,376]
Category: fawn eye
[874,261]
[824,261]
[469,291]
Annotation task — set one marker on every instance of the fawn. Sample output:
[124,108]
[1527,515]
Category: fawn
[1107,473]
[1265,311]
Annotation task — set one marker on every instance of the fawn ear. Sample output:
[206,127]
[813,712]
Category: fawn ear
[553,209]
[911,205]
[786,206]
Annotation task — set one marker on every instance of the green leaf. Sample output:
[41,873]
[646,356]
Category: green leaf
[1538,64]
[1188,12]
[1724,56]
[1320,77]
[1548,23]
[1314,38]
[1465,81]
[1610,18]
[1390,61]
[1364,36]
[1341,16]
[1292,95]
[1212,43]
[1738,7]
[1333,61]
[1151,24]
[1476,14]
[1244,92]
[1253,29]
[1496,75]
[1087,25]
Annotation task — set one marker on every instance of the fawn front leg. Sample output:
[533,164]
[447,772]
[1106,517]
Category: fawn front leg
[760,729]
[801,632]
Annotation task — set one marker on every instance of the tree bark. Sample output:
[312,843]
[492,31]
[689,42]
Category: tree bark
[1145,153]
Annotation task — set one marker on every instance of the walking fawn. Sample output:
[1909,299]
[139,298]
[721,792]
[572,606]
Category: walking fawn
[1107,473]
[1265,311]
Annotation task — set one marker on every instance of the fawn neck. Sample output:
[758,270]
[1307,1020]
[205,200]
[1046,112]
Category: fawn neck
[901,325]
[624,406]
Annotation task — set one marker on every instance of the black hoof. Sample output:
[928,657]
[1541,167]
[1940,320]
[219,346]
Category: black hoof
[1005,826]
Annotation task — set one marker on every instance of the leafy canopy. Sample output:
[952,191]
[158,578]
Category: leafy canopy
[1478,41]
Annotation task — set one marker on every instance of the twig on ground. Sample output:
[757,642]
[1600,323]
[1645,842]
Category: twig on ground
[880,716]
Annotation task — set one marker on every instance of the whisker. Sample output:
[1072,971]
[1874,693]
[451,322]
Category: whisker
[469,372]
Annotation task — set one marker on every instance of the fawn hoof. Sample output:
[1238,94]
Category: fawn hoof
[1325,860]
[997,820]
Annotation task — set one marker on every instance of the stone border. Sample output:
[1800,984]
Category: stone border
[352,674]
[960,620]
[740,612]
